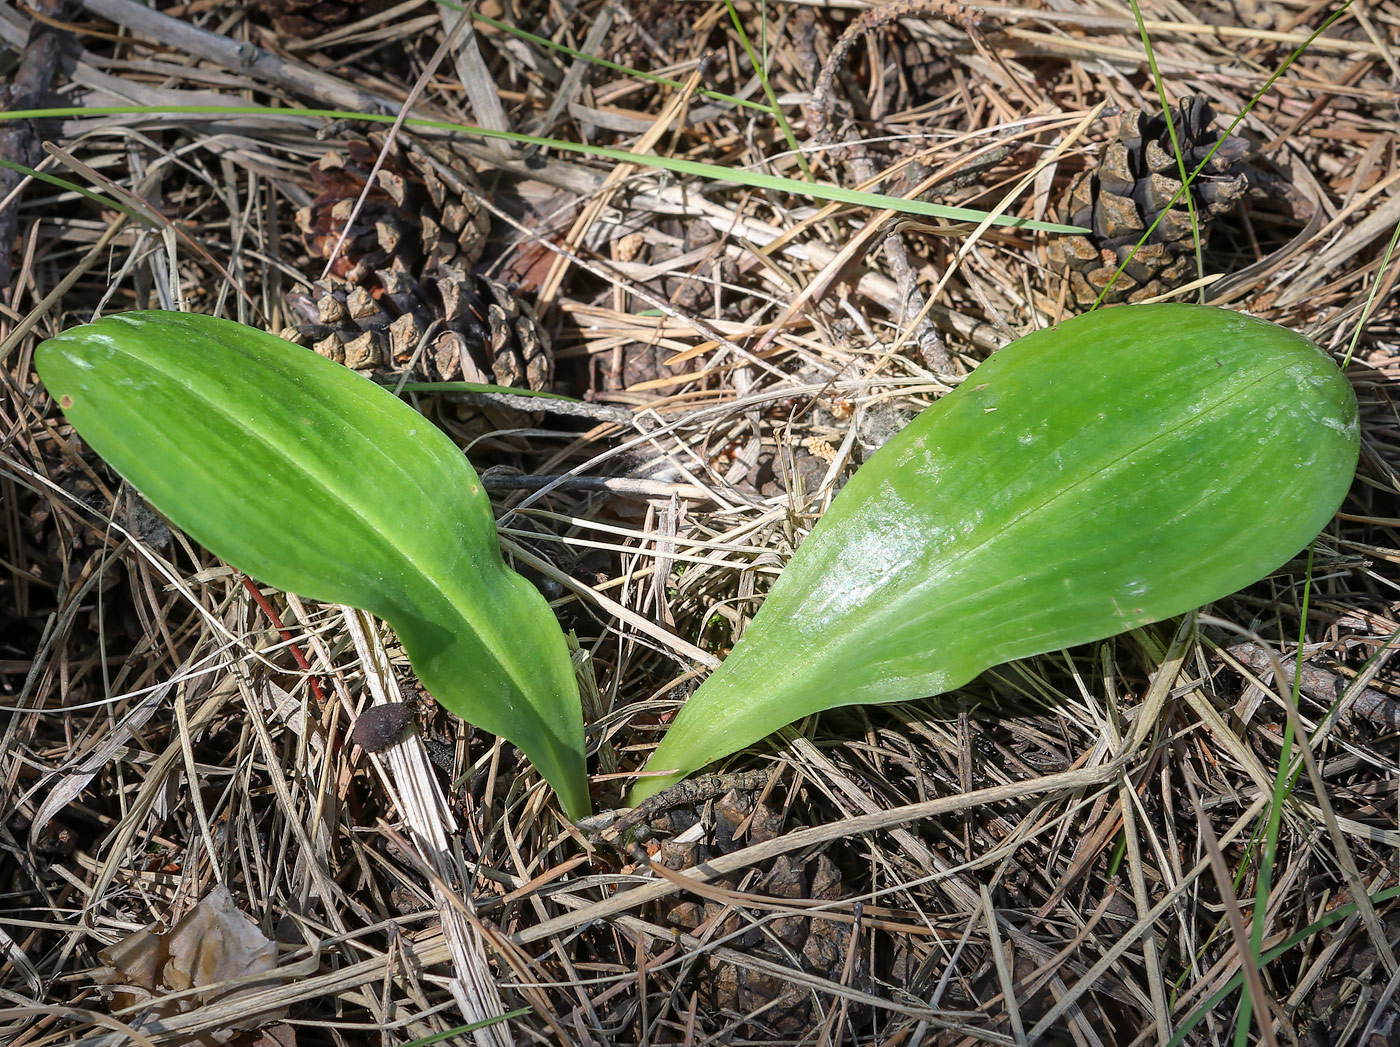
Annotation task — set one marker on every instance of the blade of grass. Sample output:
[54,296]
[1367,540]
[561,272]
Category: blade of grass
[1257,999]
[1283,787]
[1285,779]
[761,68]
[73,187]
[709,172]
[1176,145]
[438,1037]
[1295,939]
[1371,298]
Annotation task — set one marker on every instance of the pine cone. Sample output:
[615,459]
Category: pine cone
[404,271]
[819,945]
[1133,186]
[486,334]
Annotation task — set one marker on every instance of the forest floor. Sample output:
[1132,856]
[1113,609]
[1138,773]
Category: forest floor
[1117,844]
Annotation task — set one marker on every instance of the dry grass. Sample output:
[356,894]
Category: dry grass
[1065,852]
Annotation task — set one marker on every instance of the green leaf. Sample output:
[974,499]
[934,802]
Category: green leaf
[1119,469]
[310,478]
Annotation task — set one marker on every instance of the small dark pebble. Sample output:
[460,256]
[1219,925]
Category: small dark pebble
[380,726]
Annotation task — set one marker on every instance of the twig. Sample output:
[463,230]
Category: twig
[19,141]
[622,485]
[533,404]
[239,56]
[911,301]
[1323,685]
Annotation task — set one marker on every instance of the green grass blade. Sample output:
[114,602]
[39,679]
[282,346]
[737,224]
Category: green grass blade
[761,69]
[447,1034]
[1295,939]
[73,187]
[307,477]
[1186,178]
[710,172]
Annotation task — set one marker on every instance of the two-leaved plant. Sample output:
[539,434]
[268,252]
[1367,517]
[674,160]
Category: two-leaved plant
[1118,469]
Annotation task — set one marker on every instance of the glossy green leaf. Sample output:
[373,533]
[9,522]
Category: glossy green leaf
[1121,468]
[312,479]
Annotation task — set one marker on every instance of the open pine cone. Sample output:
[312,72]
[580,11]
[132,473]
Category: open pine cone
[1133,185]
[483,332]
[403,275]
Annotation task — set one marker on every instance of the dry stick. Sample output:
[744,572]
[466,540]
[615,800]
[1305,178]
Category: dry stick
[1003,967]
[422,805]
[927,336]
[475,74]
[534,404]
[1348,697]
[80,1014]
[19,141]
[911,301]
[844,255]
[569,86]
[1382,1009]
[819,109]
[241,57]
[911,304]
[1359,13]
